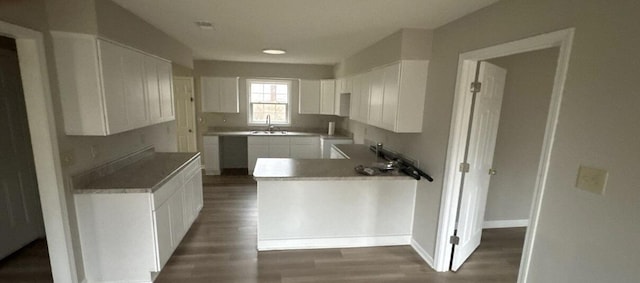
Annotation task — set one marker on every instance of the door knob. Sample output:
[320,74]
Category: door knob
[492,171]
[190,131]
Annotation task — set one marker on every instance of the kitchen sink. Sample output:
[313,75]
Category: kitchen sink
[269,133]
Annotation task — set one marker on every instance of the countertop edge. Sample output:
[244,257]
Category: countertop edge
[341,178]
[152,189]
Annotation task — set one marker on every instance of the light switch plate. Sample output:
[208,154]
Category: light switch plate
[592,179]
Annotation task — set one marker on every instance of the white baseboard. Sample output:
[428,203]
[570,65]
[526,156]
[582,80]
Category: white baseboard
[211,172]
[326,243]
[505,223]
[423,254]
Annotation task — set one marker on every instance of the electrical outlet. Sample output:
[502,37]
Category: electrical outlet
[94,152]
[67,158]
[592,180]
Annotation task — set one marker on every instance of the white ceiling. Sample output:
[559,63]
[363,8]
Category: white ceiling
[312,31]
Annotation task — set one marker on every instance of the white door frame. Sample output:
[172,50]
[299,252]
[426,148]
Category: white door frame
[458,136]
[44,142]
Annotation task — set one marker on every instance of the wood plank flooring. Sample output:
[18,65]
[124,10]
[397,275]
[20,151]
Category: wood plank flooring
[221,247]
[29,264]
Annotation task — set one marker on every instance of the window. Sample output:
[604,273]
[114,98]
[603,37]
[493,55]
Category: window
[269,98]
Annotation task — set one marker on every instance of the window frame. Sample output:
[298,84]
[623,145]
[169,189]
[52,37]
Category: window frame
[289,103]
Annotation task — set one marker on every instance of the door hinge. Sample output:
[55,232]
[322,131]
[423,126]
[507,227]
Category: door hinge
[464,167]
[476,86]
[455,240]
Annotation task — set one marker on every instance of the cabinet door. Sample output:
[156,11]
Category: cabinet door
[177,218]
[255,151]
[279,151]
[187,205]
[327,96]
[210,94]
[354,111]
[152,89]
[165,77]
[390,102]
[198,198]
[229,99]
[135,101]
[211,155]
[376,97]
[111,57]
[365,84]
[305,151]
[162,220]
[309,97]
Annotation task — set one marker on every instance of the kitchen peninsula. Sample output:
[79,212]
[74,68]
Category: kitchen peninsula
[325,203]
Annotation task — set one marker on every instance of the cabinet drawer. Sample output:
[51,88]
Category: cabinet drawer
[279,140]
[257,140]
[191,169]
[165,192]
[304,140]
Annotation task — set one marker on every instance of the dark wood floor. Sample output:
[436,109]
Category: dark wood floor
[221,247]
[29,264]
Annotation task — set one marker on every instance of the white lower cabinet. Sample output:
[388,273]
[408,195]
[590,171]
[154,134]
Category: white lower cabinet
[305,147]
[211,155]
[130,236]
[281,147]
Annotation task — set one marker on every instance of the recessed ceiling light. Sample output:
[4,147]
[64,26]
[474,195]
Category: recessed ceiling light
[272,51]
[204,24]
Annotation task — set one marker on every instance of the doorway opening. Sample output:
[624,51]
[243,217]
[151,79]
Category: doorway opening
[44,146]
[21,220]
[468,217]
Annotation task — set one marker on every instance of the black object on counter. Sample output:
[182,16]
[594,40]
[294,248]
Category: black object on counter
[405,165]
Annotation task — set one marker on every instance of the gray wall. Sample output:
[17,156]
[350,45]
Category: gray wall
[80,16]
[523,119]
[403,44]
[246,70]
[581,237]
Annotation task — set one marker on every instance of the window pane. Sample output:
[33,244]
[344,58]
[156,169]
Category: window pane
[269,98]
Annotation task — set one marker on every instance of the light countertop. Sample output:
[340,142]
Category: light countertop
[144,175]
[280,133]
[321,169]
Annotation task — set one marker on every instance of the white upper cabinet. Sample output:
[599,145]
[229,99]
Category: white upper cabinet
[365,94]
[342,100]
[391,97]
[376,97]
[327,97]
[309,97]
[405,91]
[220,94]
[354,100]
[108,88]
[165,77]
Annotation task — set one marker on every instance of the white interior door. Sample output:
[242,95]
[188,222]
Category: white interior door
[20,214]
[482,141]
[185,114]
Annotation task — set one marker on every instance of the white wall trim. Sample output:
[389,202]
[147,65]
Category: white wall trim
[422,253]
[44,143]
[328,243]
[457,133]
[505,223]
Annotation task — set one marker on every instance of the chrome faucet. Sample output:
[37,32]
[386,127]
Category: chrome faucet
[269,126]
